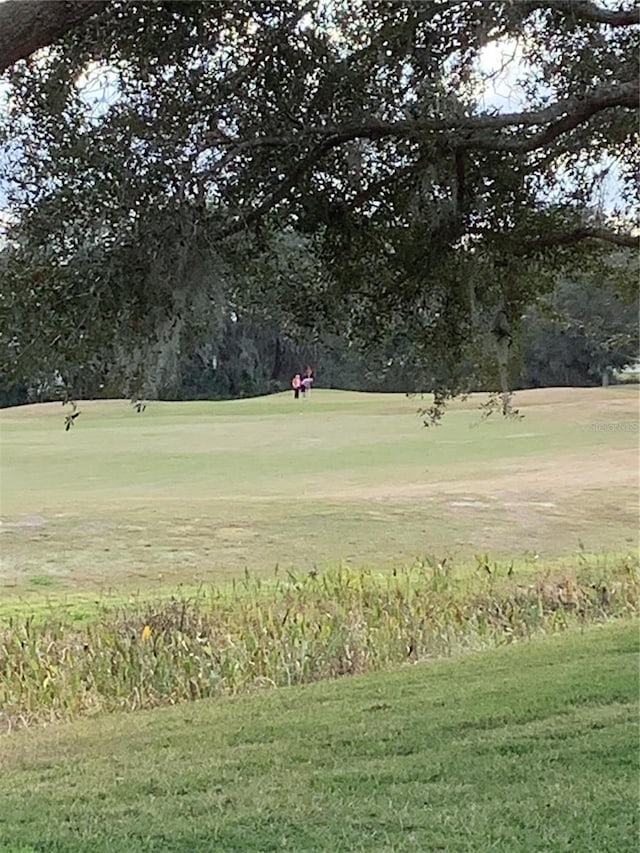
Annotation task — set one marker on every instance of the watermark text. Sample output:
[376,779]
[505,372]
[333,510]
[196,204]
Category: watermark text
[620,426]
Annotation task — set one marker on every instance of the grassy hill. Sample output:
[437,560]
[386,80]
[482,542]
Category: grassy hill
[190,492]
[527,748]
[531,747]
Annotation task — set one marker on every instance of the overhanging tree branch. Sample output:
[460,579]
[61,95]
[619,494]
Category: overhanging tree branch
[27,26]
[578,111]
[588,11]
[568,238]
[465,133]
[472,130]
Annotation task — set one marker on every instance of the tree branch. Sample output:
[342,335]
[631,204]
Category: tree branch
[473,130]
[568,238]
[278,194]
[585,10]
[578,111]
[26,27]
[569,113]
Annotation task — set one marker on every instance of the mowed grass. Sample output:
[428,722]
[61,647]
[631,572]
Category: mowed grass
[526,748]
[191,492]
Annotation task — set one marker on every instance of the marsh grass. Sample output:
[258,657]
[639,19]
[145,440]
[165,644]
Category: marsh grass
[292,630]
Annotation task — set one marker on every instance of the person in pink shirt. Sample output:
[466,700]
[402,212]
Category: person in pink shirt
[296,384]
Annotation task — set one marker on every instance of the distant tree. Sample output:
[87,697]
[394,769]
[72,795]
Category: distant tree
[13,393]
[580,335]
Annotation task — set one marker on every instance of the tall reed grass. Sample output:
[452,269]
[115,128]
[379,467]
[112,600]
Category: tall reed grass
[288,631]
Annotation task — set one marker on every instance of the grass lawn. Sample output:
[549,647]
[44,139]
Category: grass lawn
[525,748]
[191,492]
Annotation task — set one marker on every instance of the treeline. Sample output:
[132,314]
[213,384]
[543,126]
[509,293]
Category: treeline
[578,336]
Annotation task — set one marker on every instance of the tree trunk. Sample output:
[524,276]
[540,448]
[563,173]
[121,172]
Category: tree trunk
[26,27]
[277,361]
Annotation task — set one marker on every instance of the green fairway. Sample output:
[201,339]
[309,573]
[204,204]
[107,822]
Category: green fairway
[526,748]
[198,491]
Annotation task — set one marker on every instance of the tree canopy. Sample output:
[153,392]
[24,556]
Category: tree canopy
[333,167]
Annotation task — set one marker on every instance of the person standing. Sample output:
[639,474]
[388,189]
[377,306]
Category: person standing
[307,382]
[296,384]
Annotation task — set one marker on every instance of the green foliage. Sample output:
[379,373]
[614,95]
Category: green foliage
[299,629]
[173,166]
[581,334]
[584,330]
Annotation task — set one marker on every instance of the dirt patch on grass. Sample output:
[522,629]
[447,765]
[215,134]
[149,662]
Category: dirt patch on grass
[27,522]
[527,480]
[235,533]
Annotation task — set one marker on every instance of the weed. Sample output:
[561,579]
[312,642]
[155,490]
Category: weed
[298,629]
